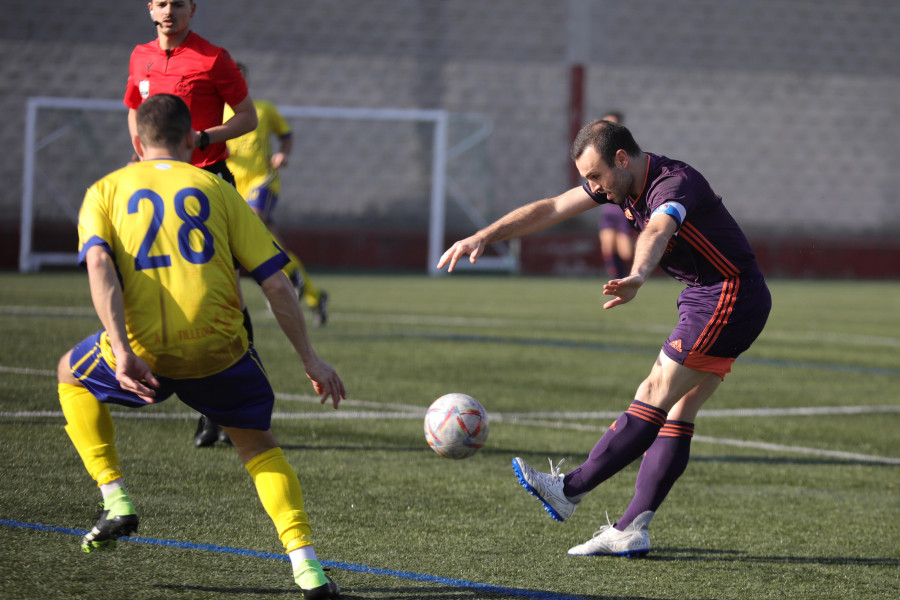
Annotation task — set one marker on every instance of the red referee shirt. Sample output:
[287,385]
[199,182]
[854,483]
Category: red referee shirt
[201,74]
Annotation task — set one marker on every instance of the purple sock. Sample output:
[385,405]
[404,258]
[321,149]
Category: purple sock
[663,464]
[623,442]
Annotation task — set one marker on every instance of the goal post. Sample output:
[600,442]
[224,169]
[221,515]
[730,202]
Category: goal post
[57,123]
[31,259]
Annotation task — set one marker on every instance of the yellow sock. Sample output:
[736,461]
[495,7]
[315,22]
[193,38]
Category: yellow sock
[311,294]
[281,496]
[90,427]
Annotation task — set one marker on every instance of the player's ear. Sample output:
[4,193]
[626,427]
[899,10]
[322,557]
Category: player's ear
[621,158]
[138,147]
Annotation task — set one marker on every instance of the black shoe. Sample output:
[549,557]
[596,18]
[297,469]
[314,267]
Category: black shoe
[105,533]
[223,437]
[298,283]
[320,312]
[324,592]
[207,433]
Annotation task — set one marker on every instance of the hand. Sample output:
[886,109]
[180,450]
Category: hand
[325,381]
[624,290]
[279,159]
[131,371]
[473,246]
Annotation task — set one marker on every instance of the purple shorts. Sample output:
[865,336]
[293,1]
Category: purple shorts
[613,217]
[263,200]
[240,396]
[716,323]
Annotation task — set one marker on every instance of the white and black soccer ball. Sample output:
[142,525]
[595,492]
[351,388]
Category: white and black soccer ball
[456,426]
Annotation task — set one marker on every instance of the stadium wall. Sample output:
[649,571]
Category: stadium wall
[791,109]
[571,254]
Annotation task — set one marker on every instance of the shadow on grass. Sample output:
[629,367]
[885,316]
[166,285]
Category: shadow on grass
[228,590]
[711,554]
[402,593]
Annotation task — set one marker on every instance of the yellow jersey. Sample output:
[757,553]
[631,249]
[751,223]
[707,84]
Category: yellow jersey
[174,232]
[249,155]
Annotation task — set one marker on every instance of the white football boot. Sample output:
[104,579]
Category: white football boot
[548,487]
[609,541]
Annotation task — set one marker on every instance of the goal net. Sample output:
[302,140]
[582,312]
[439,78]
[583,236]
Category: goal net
[366,169]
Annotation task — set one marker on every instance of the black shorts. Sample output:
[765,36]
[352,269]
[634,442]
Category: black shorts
[221,169]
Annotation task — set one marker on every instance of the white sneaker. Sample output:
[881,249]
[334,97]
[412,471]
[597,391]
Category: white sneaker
[547,487]
[608,541]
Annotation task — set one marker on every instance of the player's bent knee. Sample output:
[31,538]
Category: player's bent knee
[250,443]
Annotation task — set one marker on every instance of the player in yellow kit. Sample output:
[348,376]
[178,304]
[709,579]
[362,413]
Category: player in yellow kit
[159,239]
[256,172]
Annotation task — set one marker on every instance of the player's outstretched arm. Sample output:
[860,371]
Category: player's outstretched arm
[648,251]
[289,314]
[132,372]
[522,221]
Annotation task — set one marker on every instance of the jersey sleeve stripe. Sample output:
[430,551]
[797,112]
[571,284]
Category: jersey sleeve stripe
[274,264]
[93,241]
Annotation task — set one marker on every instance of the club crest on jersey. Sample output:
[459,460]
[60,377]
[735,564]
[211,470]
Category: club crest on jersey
[629,215]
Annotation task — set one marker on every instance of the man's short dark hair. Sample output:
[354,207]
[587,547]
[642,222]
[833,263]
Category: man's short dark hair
[163,121]
[606,138]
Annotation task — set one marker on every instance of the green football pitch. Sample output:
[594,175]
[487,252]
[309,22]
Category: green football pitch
[793,490]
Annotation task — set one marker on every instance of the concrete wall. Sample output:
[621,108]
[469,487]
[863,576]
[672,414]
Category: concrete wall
[789,107]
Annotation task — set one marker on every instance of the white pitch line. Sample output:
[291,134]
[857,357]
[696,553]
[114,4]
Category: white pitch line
[497,417]
[798,450]
[557,420]
[24,371]
[800,411]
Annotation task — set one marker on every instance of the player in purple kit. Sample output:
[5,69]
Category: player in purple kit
[687,231]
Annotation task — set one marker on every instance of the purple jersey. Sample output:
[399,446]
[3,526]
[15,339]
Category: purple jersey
[708,246]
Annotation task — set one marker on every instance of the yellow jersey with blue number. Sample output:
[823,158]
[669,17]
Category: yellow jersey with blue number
[249,155]
[174,232]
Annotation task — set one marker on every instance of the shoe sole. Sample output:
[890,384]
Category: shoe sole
[91,545]
[626,554]
[323,592]
[521,477]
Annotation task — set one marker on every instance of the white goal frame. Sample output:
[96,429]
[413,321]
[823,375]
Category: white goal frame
[441,187]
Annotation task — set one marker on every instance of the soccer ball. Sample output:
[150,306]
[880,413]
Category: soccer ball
[456,426]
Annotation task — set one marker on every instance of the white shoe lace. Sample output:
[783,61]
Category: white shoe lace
[554,471]
[603,528]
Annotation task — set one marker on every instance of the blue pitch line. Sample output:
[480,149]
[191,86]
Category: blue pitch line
[447,581]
